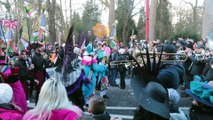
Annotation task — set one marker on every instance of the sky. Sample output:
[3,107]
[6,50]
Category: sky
[77,5]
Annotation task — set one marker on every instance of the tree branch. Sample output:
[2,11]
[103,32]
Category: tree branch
[188,3]
[105,2]
[3,3]
[131,16]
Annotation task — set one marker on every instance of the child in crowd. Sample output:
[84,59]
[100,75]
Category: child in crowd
[8,111]
[97,108]
[174,99]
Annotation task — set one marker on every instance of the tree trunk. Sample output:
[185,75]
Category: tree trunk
[207,18]
[111,13]
[65,3]
[51,20]
[39,7]
[152,21]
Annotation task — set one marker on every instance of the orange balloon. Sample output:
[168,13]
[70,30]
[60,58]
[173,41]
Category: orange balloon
[100,30]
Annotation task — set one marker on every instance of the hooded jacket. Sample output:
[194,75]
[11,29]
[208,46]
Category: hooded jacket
[61,114]
[9,112]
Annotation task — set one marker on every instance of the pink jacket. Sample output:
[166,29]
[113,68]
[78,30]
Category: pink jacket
[62,114]
[10,114]
[19,97]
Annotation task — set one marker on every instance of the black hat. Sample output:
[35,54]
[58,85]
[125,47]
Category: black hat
[169,48]
[189,45]
[183,42]
[169,77]
[153,97]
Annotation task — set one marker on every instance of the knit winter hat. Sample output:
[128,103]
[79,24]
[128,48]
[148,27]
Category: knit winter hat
[6,93]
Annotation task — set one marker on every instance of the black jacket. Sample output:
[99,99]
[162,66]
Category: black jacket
[24,73]
[197,67]
[104,116]
[38,62]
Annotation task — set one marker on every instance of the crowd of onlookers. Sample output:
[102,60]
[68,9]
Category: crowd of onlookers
[156,90]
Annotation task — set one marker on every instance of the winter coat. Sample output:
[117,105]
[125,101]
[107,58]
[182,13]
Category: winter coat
[19,97]
[104,116]
[61,114]
[9,112]
[178,116]
[24,73]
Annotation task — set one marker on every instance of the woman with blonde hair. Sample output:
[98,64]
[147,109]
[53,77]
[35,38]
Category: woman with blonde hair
[53,104]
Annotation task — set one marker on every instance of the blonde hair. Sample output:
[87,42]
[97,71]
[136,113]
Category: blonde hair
[53,96]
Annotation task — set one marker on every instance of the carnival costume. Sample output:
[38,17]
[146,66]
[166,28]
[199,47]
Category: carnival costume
[102,82]
[69,72]
[91,69]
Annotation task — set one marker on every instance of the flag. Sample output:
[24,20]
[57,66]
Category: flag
[34,37]
[24,43]
[27,9]
[43,22]
[9,39]
[83,44]
[24,37]
[42,28]
[113,30]
[9,35]
[2,33]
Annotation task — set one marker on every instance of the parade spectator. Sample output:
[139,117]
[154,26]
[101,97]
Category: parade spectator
[39,70]
[53,104]
[97,108]
[171,73]
[11,77]
[202,107]
[8,111]
[25,72]
[86,118]
[172,76]
[152,99]
[175,112]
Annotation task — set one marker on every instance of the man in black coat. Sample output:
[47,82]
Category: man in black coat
[39,69]
[25,72]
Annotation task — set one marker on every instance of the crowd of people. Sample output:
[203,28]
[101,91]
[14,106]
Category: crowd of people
[68,77]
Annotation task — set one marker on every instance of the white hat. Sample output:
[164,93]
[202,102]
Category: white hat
[121,51]
[77,50]
[6,93]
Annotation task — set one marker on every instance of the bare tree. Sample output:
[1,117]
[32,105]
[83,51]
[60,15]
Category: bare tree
[110,4]
[194,7]
[51,20]
[7,4]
